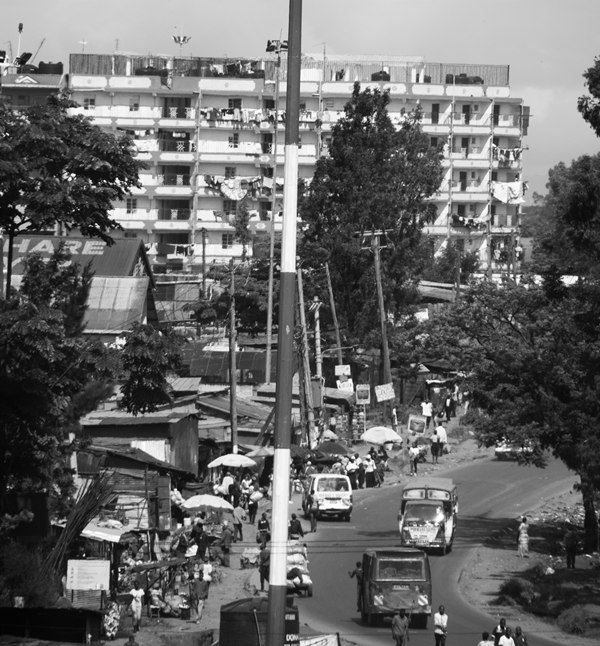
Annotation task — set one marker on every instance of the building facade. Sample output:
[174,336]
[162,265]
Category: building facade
[212,134]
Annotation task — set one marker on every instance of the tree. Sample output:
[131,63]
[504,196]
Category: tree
[443,269]
[375,178]
[589,106]
[48,378]
[148,357]
[58,168]
[240,224]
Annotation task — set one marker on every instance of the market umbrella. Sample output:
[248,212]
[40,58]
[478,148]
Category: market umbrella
[261,452]
[332,447]
[205,501]
[380,435]
[330,435]
[232,460]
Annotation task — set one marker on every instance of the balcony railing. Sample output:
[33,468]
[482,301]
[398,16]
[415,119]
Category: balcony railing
[173,180]
[174,214]
[178,113]
[242,147]
[173,146]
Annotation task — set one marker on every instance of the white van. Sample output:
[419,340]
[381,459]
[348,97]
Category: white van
[333,493]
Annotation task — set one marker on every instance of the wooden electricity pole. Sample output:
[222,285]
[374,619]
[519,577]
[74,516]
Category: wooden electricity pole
[387,368]
[232,362]
[338,339]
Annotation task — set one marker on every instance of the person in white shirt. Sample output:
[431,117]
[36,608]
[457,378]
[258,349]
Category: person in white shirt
[137,599]
[427,410]
[441,432]
[440,621]
[506,639]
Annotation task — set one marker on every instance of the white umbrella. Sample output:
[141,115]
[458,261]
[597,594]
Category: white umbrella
[380,435]
[206,501]
[329,435]
[232,460]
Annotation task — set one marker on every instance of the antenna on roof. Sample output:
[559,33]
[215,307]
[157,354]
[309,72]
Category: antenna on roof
[83,43]
[181,41]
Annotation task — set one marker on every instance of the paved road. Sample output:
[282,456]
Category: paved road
[490,492]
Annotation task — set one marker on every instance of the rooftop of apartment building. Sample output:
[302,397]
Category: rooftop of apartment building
[344,68]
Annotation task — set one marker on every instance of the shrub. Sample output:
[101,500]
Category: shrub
[518,589]
[575,620]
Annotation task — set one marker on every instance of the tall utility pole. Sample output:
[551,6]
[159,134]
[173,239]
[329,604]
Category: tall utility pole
[338,339]
[285,338]
[387,367]
[273,211]
[232,362]
[315,307]
[310,411]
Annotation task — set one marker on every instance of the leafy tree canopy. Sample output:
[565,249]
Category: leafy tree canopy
[56,167]
[589,105]
[376,177]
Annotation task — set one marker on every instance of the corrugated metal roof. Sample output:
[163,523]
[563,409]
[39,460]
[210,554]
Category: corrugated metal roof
[244,408]
[113,417]
[185,384]
[32,80]
[126,257]
[116,303]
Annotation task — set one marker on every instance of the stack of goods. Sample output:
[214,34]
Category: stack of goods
[298,576]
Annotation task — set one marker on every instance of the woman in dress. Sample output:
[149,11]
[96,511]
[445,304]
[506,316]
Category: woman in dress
[523,538]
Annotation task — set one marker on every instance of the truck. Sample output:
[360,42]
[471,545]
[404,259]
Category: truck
[395,578]
[428,514]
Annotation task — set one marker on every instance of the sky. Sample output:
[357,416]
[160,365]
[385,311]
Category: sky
[548,44]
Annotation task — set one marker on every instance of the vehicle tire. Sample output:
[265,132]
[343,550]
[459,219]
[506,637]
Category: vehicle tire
[448,548]
[372,619]
[346,517]
[364,617]
[309,590]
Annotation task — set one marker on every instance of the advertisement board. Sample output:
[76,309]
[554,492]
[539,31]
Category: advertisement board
[385,392]
[363,394]
[88,574]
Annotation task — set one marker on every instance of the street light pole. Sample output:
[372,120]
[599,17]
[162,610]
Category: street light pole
[285,338]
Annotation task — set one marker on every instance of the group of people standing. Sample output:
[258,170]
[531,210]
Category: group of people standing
[363,472]
[502,635]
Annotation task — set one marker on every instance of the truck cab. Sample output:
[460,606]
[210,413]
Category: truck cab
[428,514]
[393,579]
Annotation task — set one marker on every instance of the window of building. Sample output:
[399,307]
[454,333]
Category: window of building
[234,140]
[227,240]
[269,104]
[89,103]
[496,141]
[302,105]
[131,204]
[460,210]
[230,207]
[130,234]
[23,99]
[433,141]
[235,104]
[266,171]
[494,176]
[134,103]
[329,104]
[230,172]
[174,238]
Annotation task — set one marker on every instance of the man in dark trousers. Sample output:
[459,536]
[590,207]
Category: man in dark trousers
[200,537]
[199,595]
[358,574]
[400,623]
[295,529]
[313,511]
[571,545]
[264,565]
[225,543]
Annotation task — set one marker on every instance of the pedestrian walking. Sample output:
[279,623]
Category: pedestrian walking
[264,565]
[198,595]
[225,544]
[313,512]
[252,506]
[369,472]
[571,545]
[137,600]
[523,538]
[239,517]
[352,471]
[264,529]
[427,411]
[441,431]
[435,446]
[440,630]
[400,622]
[207,570]
[506,639]
[486,639]
[519,637]
[414,454]
[358,574]
[499,631]
[361,473]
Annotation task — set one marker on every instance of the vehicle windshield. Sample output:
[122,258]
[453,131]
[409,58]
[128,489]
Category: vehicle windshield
[400,570]
[428,513]
[332,484]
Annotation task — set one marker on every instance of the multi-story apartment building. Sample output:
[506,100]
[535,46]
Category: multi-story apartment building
[211,132]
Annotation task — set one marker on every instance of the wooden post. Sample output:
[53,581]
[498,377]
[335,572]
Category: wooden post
[334,315]
[232,362]
[387,368]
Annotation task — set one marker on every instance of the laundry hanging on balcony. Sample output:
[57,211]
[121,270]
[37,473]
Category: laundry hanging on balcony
[234,189]
[506,155]
[509,192]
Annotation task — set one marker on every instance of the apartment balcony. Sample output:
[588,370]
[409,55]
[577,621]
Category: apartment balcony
[436,123]
[473,157]
[177,117]
[468,191]
[127,215]
[182,214]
